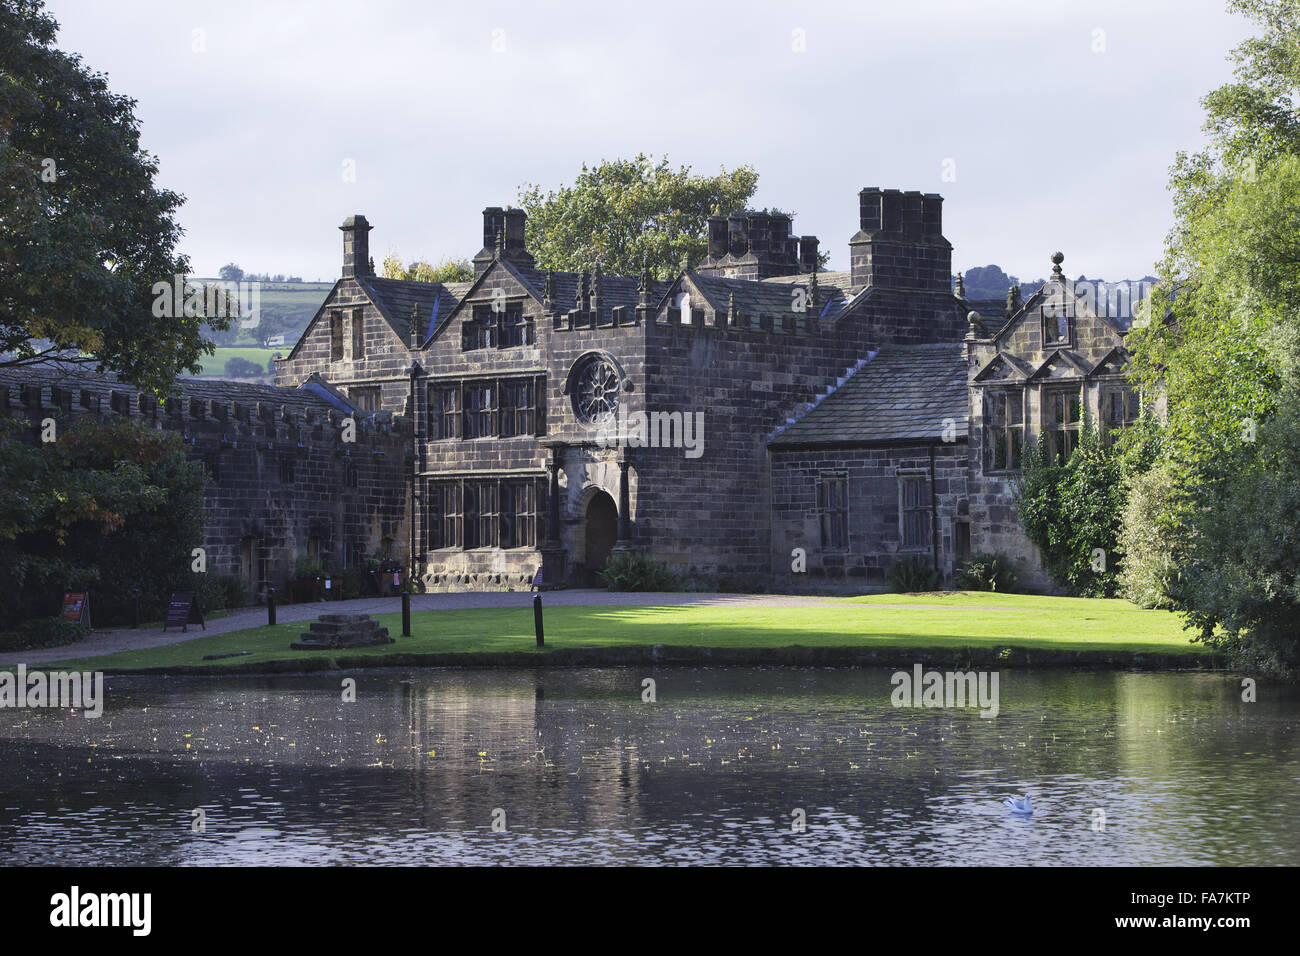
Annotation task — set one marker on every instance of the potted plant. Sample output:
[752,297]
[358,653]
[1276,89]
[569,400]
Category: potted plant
[308,582]
[387,568]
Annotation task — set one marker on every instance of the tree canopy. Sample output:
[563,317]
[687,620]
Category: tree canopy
[86,232]
[624,212]
[1221,342]
[447,270]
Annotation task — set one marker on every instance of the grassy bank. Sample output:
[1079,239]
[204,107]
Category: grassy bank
[950,623]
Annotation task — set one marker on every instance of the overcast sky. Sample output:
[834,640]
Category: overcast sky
[1045,124]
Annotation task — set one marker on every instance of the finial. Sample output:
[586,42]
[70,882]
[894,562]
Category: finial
[813,294]
[643,284]
[686,262]
[501,244]
[415,324]
[1057,259]
[548,288]
[1013,299]
[731,307]
[960,291]
[975,321]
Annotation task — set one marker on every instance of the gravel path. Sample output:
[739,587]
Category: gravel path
[110,642]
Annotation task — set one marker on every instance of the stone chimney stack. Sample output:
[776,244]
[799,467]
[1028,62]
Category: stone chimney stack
[510,226]
[356,247]
[900,244]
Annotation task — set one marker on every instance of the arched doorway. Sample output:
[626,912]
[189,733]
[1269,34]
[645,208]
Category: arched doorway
[601,534]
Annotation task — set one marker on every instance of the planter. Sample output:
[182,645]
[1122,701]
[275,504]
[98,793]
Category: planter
[307,590]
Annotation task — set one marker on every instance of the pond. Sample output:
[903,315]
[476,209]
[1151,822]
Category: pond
[722,767]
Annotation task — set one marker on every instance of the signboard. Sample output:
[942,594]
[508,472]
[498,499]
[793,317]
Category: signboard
[76,606]
[181,611]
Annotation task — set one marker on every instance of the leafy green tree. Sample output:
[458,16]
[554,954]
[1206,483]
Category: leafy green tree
[448,270]
[230,273]
[86,231]
[1072,513]
[624,212]
[242,368]
[107,507]
[1220,340]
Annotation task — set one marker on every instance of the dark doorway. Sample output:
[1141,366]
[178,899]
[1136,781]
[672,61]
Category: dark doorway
[602,533]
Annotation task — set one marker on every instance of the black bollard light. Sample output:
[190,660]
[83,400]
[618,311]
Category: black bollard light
[537,620]
[270,605]
[406,614]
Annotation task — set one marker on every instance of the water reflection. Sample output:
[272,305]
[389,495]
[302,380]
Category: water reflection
[585,772]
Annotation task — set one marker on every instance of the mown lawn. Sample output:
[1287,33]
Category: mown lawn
[950,620]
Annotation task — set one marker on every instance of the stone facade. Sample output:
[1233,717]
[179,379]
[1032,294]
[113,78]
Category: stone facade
[557,416]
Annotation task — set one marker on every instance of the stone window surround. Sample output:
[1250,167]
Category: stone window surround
[910,477]
[1010,429]
[1071,427]
[459,386]
[833,516]
[530,515]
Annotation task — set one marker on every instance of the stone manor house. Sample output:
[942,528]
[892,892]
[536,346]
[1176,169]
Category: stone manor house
[752,406]
[754,422]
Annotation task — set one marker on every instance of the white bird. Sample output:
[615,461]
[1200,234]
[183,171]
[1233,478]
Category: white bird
[1016,805]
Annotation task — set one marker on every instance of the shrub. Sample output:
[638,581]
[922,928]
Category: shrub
[1072,511]
[987,572]
[43,632]
[216,591]
[913,572]
[1149,537]
[306,569]
[633,571]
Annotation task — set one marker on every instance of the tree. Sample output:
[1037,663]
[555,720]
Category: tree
[625,212]
[242,368]
[1221,339]
[447,270]
[86,231]
[111,507]
[230,273]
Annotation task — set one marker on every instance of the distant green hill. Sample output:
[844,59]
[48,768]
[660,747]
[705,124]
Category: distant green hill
[285,309]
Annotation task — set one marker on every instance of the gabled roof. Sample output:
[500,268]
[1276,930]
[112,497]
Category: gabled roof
[1116,358]
[1015,368]
[905,393]
[1061,357]
[395,298]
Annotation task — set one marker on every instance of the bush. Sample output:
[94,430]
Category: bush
[1070,512]
[913,573]
[43,632]
[217,591]
[633,571]
[987,572]
[307,569]
[1149,537]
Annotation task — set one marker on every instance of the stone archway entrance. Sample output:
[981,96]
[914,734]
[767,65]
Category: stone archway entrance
[601,532]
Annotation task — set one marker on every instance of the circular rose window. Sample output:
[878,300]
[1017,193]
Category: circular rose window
[595,390]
